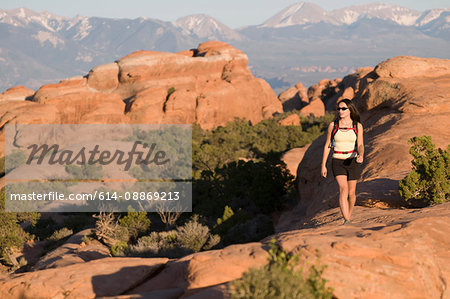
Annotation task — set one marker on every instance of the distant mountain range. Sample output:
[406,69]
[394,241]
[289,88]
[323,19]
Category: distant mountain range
[302,43]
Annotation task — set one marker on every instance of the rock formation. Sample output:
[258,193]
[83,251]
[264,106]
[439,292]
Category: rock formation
[293,157]
[290,120]
[210,85]
[329,92]
[16,93]
[294,98]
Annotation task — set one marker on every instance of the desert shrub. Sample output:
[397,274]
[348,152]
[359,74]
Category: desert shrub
[264,183]
[11,235]
[195,236]
[229,219]
[87,239]
[242,227]
[137,224]
[156,244]
[170,91]
[108,230]
[60,234]
[42,229]
[11,232]
[78,221]
[159,240]
[382,93]
[253,186]
[191,237]
[15,159]
[57,238]
[252,230]
[85,171]
[428,183]
[221,177]
[168,217]
[281,278]
[240,139]
[119,248]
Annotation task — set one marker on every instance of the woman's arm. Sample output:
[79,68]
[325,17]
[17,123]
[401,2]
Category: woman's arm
[360,144]
[326,150]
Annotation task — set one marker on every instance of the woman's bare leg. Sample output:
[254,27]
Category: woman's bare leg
[343,195]
[351,196]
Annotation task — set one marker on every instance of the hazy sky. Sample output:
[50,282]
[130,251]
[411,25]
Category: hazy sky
[234,13]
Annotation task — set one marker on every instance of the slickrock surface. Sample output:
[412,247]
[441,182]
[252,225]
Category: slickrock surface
[392,253]
[383,253]
[73,251]
[293,157]
[103,277]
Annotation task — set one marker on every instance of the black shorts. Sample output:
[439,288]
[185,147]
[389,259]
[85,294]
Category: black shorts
[347,167]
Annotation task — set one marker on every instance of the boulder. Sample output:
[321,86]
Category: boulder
[104,77]
[315,108]
[293,157]
[17,93]
[294,98]
[291,120]
[402,67]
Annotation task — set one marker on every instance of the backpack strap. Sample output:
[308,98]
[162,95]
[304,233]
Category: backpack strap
[335,129]
[355,128]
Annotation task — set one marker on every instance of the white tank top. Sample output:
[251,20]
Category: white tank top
[344,141]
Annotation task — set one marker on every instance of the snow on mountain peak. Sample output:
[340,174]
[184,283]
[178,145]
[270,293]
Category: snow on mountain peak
[205,26]
[295,14]
[306,12]
[430,15]
[21,17]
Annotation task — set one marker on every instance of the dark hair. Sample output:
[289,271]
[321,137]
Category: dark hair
[354,114]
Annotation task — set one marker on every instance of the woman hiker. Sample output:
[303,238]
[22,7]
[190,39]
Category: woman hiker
[345,137]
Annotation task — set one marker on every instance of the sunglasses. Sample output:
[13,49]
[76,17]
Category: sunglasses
[342,108]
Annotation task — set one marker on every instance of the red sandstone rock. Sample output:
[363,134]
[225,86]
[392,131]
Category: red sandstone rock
[293,157]
[291,120]
[17,93]
[315,108]
[104,77]
[365,259]
[102,277]
[315,91]
[348,93]
[188,53]
[212,86]
[324,82]
[294,98]
[206,269]
[402,67]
